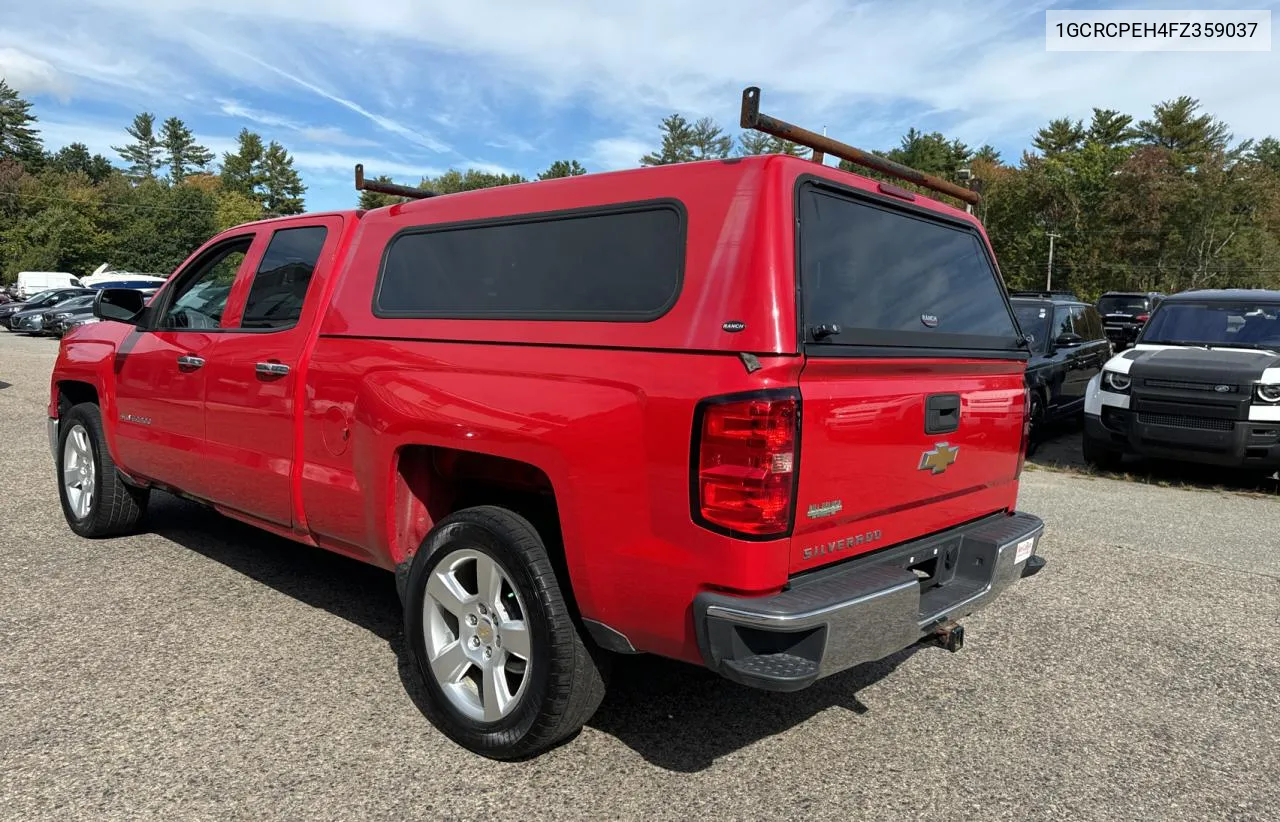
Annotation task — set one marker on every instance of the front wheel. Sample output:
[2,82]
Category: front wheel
[506,671]
[96,500]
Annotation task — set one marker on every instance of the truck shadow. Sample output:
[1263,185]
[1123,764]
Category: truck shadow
[676,716]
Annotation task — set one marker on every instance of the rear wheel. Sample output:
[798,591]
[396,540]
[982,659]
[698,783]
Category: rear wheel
[506,671]
[96,500]
[1101,456]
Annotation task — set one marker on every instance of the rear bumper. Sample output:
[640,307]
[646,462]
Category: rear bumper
[864,609]
[1122,333]
[1245,444]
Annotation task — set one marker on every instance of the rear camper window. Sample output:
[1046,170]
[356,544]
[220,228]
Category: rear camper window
[891,279]
[624,264]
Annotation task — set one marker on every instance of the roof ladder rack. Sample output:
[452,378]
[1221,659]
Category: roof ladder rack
[390,188]
[822,145]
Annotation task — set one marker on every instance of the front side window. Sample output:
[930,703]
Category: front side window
[1062,321]
[1033,319]
[201,296]
[280,284]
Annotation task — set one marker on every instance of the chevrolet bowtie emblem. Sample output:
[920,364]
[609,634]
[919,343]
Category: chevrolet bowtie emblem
[939,458]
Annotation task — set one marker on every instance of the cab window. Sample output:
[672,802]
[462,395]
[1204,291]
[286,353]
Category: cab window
[200,297]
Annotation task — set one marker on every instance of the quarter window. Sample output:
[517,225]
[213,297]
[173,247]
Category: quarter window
[623,265]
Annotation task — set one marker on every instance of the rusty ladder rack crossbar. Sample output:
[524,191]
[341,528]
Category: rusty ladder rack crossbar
[389,188]
[821,145]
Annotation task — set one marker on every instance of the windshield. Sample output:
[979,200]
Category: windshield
[1123,305]
[889,278]
[75,302]
[1033,319]
[1243,325]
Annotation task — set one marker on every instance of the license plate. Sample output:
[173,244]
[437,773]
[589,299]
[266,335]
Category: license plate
[1024,550]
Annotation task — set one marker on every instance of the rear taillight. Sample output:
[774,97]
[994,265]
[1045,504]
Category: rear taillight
[1026,431]
[1142,318]
[744,467]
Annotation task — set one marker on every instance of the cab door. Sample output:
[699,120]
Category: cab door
[160,370]
[254,369]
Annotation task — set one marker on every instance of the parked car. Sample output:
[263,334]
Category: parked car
[54,321]
[30,283]
[569,415]
[1068,348]
[45,299]
[1202,384]
[1124,313]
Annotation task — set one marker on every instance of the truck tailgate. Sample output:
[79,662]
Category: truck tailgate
[894,449]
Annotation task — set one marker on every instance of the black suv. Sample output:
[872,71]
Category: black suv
[1068,348]
[1125,312]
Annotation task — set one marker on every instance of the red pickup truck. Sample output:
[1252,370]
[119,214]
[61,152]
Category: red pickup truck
[757,414]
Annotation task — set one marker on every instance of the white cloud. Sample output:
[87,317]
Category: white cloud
[612,153]
[31,74]
[329,135]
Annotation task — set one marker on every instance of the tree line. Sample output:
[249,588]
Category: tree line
[1165,203]
[71,210]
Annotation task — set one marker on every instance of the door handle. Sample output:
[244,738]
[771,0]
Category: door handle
[190,361]
[271,369]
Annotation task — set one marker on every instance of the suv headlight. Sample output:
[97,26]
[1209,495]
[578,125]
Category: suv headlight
[1268,393]
[1115,381]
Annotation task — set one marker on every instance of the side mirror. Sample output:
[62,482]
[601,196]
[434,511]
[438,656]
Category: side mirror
[1068,340]
[122,305]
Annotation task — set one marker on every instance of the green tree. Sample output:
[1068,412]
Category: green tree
[1267,154]
[454,181]
[19,139]
[751,143]
[232,208]
[1190,137]
[369,200]
[987,154]
[677,143]
[282,188]
[182,153]
[1110,128]
[562,168]
[1059,136]
[242,170]
[75,158]
[709,140]
[143,154]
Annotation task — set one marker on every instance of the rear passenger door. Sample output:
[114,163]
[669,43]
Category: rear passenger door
[253,370]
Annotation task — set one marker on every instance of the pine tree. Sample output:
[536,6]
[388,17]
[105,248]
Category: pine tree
[756,142]
[987,154]
[183,154]
[677,143]
[562,168]
[1061,135]
[1110,128]
[709,140]
[18,139]
[143,154]
[75,159]
[241,171]
[282,188]
[369,200]
[1189,138]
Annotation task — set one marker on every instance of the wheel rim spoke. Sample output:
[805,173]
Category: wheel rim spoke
[444,588]
[450,664]
[515,638]
[497,696]
[79,473]
[488,582]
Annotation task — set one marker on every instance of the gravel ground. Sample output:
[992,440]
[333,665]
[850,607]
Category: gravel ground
[205,670]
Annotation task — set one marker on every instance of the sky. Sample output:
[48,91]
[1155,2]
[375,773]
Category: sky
[414,87]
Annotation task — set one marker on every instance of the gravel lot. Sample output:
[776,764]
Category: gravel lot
[205,670]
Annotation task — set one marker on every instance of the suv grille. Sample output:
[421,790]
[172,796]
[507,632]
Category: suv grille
[1182,421]
[1180,386]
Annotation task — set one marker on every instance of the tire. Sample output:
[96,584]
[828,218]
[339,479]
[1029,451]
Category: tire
[560,682]
[1099,456]
[113,506]
[1037,424]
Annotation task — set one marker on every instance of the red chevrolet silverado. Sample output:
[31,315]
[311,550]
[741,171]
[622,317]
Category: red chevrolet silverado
[760,414]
